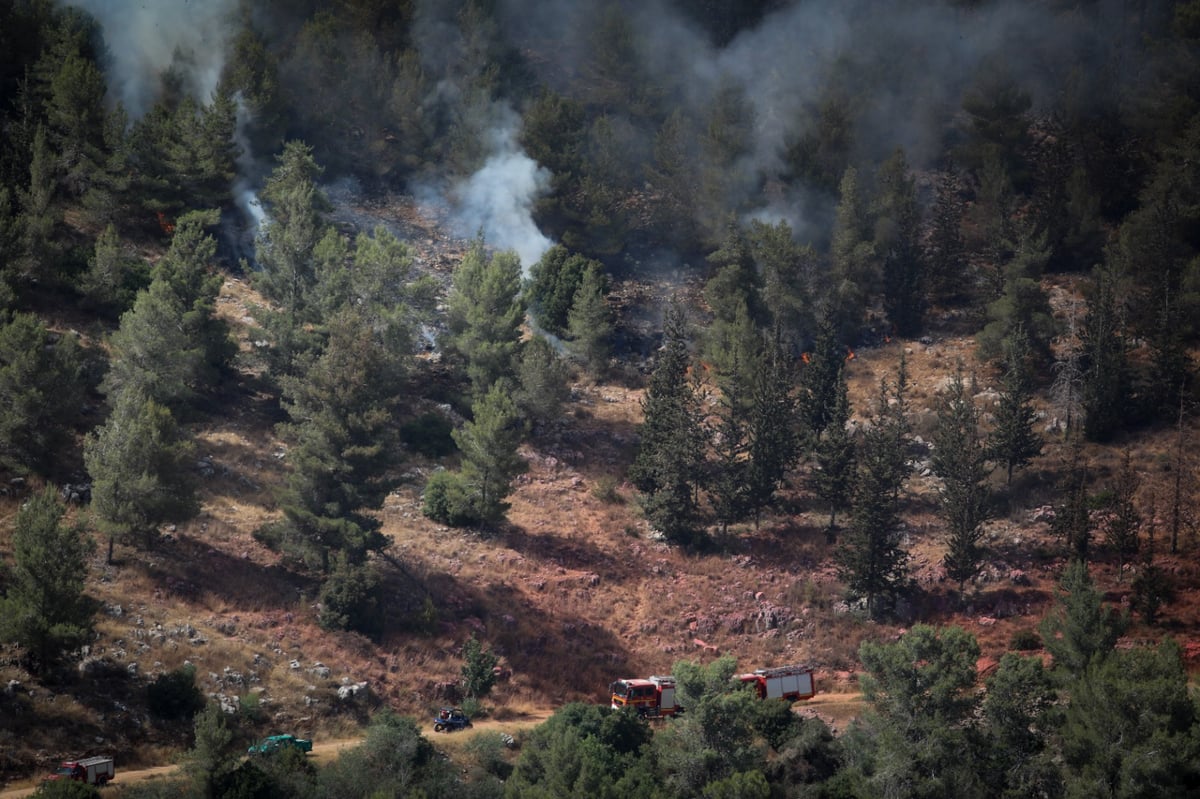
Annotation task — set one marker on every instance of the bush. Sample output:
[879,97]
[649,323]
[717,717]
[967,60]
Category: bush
[174,695]
[487,750]
[429,435]
[479,668]
[605,490]
[446,501]
[1024,640]
[250,708]
[350,599]
[65,789]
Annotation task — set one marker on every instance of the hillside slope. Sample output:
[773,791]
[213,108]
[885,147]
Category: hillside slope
[574,592]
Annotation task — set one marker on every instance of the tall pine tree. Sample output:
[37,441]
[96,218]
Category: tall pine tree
[1013,442]
[960,460]
[669,464]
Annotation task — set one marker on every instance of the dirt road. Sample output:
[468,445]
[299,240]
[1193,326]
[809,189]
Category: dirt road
[838,708]
[322,752]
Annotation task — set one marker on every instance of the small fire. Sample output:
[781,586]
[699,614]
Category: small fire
[167,225]
[850,356]
[804,357]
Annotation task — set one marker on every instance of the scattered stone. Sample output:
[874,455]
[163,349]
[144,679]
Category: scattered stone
[352,691]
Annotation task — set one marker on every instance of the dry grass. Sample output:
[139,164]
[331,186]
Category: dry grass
[572,593]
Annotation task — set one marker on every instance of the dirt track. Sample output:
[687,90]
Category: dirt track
[323,752]
[838,708]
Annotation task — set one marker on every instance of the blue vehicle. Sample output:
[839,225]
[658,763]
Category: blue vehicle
[450,719]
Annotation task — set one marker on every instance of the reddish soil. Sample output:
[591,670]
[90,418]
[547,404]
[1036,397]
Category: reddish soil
[573,592]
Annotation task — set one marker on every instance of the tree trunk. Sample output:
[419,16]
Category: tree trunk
[110,550]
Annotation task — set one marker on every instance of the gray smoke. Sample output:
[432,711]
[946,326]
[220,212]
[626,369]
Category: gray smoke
[497,200]
[903,68]
[147,37]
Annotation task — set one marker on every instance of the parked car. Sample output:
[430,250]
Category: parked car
[274,743]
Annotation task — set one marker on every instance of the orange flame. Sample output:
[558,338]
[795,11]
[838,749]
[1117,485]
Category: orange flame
[850,356]
[167,226]
[804,357]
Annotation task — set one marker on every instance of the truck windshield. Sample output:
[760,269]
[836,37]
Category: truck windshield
[65,771]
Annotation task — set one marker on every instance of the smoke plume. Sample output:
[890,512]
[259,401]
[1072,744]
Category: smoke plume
[147,37]
[497,200]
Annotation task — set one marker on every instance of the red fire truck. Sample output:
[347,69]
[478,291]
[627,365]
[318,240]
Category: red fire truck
[653,698]
[785,682]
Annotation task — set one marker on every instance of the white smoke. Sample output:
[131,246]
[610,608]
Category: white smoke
[147,37]
[244,193]
[497,200]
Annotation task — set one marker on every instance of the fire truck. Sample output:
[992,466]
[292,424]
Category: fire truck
[653,698]
[791,683]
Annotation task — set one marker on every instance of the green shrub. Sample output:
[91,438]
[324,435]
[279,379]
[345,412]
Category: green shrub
[605,490]
[174,695]
[429,435]
[487,750]
[250,708]
[1024,640]
[446,501]
[65,789]
[351,599]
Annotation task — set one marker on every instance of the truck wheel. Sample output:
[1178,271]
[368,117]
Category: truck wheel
[467,725]
[438,727]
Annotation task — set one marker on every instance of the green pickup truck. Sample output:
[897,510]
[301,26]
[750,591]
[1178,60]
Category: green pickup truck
[276,742]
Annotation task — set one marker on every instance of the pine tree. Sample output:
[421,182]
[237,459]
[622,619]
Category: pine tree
[1124,522]
[897,242]
[113,277]
[1072,516]
[923,701]
[1080,629]
[214,753]
[945,252]
[137,462]
[960,460]
[787,274]
[187,269]
[1013,442]
[732,341]
[39,217]
[728,485]
[152,354]
[871,558]
[542,382]
[45,610]
[668,466]
[294,225]
[772,425]
[342,444]
[1130,726]
[821,379]
[1106,391]
[41,392]
[553,283]
[1021,302]
[484,315]
[1067,390]
[854,269]
[1153,586]
[590,323]
[836,459]
[478,669]
[490,460]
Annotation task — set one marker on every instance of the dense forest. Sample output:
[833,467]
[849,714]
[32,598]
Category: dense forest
[798,179]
